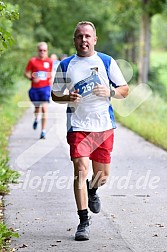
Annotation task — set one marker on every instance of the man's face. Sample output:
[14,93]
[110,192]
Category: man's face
[85,40]
[42,52]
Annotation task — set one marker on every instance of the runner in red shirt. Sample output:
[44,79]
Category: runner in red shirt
[39,71]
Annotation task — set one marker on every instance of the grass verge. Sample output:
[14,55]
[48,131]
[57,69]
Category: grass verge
[149,120]
[9,114]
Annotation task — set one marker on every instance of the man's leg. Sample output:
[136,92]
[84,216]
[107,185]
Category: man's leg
[100,174]
[44,107]
[99,178]
[44,115]
[34,97]
[81,166]
[103,145]
[36,113]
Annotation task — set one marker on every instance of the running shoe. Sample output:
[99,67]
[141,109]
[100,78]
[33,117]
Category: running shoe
[43,135]
[94,203]
[93,200]
[83,231]
[35,124]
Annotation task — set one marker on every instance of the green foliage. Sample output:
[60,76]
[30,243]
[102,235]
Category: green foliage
[8,14]
[158,74]
[149,120]
[6,176]
[10,113]
[117,23]
[5,235]
[157,85]
[7,77]
[153,6]
[159,24]
[155,82]
[12,64]
[52,21]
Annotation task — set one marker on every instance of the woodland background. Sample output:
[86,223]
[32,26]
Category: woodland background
[134,31]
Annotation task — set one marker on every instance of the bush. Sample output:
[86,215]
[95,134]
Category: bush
[6,176]
[155,82]
[5,235]
[9,73]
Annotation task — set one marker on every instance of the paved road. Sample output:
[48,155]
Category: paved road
[42,207]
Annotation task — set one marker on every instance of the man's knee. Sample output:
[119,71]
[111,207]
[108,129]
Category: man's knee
[80,173]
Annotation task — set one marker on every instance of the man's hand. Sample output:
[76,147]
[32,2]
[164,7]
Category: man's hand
[74,96]
[35,79]
[101,90]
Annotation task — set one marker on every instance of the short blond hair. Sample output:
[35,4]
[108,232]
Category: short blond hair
[84,23]
[42,44]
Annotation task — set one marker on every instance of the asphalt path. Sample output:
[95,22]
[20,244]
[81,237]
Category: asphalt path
[41,207]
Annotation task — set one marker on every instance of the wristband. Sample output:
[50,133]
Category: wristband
[112,92]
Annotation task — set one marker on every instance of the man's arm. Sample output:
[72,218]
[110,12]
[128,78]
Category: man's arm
[60,98]
[27,74]
[118,93]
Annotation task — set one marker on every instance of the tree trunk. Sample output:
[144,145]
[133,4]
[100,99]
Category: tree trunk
[144,57]
[130,46]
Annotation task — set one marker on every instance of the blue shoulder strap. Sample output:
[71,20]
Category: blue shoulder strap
[64,64]
[63,69]
[106,61]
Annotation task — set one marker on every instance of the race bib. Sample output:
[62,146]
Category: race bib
[42,75]
[86,86]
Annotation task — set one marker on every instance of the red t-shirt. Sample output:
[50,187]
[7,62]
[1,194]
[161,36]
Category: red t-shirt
[41,69]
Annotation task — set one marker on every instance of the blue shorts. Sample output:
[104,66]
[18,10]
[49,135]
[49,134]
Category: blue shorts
[39,95]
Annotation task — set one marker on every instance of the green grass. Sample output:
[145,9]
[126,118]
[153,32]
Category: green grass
[149,120]
[9,114]
[5,235]
[7,176]
[158,57]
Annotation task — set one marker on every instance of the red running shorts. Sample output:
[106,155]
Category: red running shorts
[95,145]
